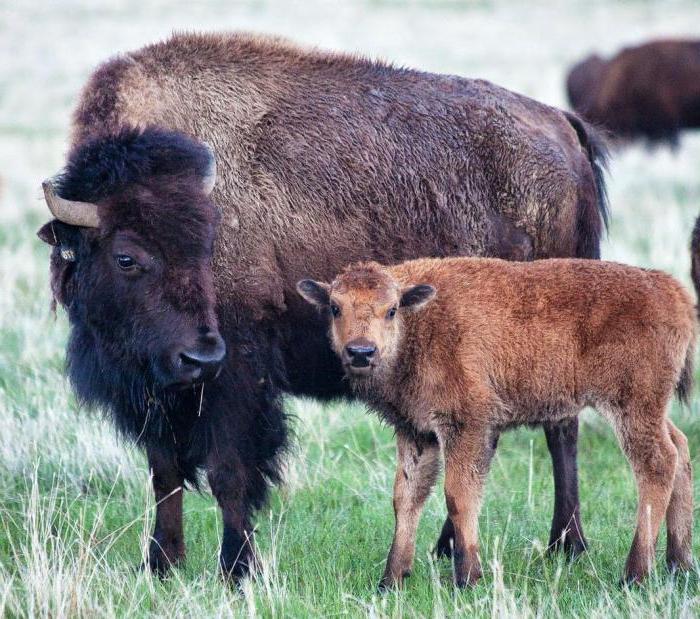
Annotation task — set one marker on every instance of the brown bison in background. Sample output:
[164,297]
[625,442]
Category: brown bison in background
[651,91]
[323,159]
[695,258]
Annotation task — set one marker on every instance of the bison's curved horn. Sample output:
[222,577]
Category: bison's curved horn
[69,211]
[209,178]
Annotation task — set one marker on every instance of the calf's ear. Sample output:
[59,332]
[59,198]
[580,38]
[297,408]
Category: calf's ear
[316,293]
[417,297]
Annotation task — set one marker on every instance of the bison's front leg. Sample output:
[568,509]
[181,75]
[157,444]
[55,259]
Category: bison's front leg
[566,531]
[167,545]
[228,481]
[417,469]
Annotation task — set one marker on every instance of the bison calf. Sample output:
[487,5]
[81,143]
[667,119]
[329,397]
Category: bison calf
[453,351]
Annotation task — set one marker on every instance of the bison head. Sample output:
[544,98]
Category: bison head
[366,306]
[584,82]
[132,245]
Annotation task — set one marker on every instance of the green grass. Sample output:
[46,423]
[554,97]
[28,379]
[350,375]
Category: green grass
[75,503]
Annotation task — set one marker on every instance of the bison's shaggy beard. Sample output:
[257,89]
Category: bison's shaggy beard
[241,410]
[139,408]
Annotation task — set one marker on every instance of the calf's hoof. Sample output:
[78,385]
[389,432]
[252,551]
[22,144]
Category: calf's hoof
[468,573]
[390,582]
[469,580]
[679,564]
[678,554]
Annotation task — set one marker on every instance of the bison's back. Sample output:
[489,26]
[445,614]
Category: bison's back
[328,158]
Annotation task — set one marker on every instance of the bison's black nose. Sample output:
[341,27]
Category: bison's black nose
[360,354]
[203,360]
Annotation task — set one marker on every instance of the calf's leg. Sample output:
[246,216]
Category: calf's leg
[647,443]
[167,545]
[443,547]
[417,469]
[566,532]
[467,458]
[679,515]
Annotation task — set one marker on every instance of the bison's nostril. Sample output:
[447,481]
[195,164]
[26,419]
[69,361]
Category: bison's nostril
[360,354]
[364,351]
[203,361]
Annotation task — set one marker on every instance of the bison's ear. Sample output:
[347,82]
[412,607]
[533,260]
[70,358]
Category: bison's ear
[415,298]
[58,234]
[48,233]
[316,293]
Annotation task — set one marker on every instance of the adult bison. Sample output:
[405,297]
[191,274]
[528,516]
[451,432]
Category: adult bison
[651,91]
[323,159]
[695,258]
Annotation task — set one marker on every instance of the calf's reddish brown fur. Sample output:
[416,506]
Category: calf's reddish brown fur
[453,351]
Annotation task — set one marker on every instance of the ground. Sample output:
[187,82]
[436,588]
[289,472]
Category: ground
[75,504]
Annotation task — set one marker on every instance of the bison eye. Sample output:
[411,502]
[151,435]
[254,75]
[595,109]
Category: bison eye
[126,263]
[391,313]
[335,310]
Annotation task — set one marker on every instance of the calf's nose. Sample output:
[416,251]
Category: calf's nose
[360,354]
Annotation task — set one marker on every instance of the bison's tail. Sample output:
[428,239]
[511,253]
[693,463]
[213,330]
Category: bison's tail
[593,215]
[684,386]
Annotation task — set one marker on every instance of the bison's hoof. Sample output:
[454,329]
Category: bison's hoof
[443,548]
[571,546]
[161,558]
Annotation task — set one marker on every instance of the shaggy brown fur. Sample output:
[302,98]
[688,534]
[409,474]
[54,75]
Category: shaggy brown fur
[324,159]
[650,91]
[506,344]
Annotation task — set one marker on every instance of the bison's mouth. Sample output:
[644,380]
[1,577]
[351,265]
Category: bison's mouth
[184,367]
[355,369]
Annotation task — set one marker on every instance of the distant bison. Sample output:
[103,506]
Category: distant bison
[695,258]
[452,352]
[321,159]
[651,91]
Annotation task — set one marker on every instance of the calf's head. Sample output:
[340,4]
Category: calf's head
[132,245]
[366,307]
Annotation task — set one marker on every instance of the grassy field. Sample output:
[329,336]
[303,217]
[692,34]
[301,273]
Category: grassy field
[75,503]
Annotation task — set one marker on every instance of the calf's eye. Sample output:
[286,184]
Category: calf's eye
[391,313]
[124,262]
[335,311]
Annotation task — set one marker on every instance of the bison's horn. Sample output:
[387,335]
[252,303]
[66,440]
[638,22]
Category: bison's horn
[209,179]
[69,211]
